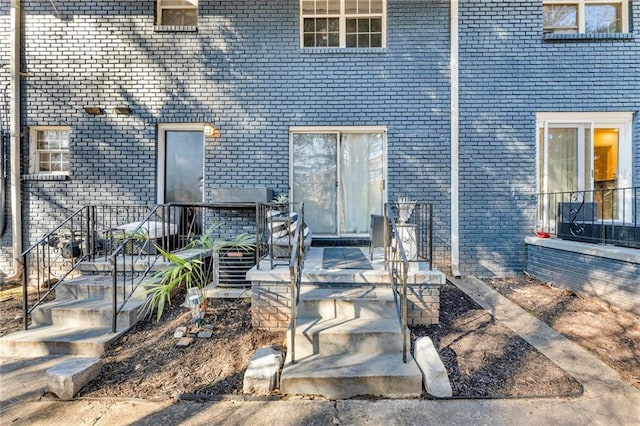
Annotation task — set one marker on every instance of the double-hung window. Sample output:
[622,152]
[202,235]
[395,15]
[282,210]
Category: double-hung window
[585,16]
[177,12]
[50,150]
[343,23]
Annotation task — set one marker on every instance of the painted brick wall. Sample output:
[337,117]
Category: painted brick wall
[614,281]
[508,73]
[242,70]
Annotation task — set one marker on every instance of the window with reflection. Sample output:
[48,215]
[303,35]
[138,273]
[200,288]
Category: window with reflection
[343,23]
[177,12]
[585,16]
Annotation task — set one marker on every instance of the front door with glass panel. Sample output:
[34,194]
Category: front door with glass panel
[339,175]
[181,171]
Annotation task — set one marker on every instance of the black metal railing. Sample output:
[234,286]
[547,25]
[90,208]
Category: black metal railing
[275,228]
[85,235]
[54,257]
[397,263]
[188,229]
[600,216]
[296,266]
[136,254]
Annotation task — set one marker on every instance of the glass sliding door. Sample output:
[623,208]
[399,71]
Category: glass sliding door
[361,180]
[588,157]
[314,178]
[566,167]
[340,178]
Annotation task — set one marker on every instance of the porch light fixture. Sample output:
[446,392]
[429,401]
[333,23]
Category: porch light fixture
[211,131]
[122,110]
[93,110]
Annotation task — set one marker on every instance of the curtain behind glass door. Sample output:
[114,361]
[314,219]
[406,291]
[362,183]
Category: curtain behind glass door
[361,175]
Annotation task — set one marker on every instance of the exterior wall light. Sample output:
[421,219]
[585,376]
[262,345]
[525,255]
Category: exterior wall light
[211,131]
[93,110]
[122,110]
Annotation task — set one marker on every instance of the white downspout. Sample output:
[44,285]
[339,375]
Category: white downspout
[16,205]
[455,140]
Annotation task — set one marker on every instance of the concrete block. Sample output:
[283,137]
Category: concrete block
[434,375]
[263,372]
[68,377]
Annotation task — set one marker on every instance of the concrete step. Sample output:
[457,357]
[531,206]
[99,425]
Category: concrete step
[86,313]
[101,265]
[346,376]
[346,302]
[342,336]
[58,340]
[85,287]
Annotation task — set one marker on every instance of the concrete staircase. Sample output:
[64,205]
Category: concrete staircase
[349,343]
[77,322]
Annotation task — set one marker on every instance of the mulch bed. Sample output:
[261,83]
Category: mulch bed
[147,363]
[485,359]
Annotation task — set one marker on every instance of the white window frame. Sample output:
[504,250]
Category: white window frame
[343,26]
[623,121]
[34,163]
[160,8]
[624,11]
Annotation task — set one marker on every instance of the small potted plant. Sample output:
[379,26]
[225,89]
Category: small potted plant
[281,200]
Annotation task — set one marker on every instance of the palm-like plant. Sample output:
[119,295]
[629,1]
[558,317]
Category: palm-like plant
[197,272]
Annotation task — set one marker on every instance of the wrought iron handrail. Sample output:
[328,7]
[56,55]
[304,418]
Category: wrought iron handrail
[135,240]
[56,256]
[296,265]
[398,266]
[601,216]
[43,257]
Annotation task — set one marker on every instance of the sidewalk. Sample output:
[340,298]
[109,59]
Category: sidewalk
[607,400]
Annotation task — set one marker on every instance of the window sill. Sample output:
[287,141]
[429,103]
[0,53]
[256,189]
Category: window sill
[553,37]
[45,177]
[605,251]
[343,50]
[175,28]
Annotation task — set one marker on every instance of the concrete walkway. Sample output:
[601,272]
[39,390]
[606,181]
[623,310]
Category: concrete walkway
[607,399]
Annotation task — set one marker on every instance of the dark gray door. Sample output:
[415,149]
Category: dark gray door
[183,167]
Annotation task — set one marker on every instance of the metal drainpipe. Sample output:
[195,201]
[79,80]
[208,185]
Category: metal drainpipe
[16,191]
[2,173]
[455,141]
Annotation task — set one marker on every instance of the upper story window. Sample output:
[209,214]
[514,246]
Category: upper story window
[178,12]
[585,16]
[50,150]
[343,23]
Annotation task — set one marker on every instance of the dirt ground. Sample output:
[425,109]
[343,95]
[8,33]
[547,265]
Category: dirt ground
[610,334]
[483,358]
[147,363]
